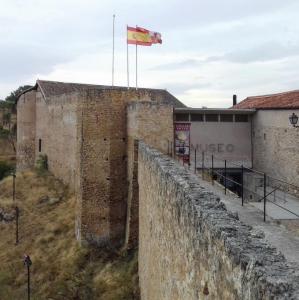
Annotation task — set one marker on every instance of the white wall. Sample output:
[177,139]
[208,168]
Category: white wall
[225,140]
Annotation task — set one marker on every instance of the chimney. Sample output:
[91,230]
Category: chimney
[234,99]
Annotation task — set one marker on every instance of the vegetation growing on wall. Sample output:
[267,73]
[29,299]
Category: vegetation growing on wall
[41,164]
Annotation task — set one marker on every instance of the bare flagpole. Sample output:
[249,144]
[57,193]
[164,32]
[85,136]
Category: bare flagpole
[136,64]
[128,78]
[113,51]
[136,68]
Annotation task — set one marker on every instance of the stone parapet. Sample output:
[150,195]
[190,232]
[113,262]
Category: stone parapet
[191,247]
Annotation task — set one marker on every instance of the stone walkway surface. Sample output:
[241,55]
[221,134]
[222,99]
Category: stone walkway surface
[282,199]
[284,240]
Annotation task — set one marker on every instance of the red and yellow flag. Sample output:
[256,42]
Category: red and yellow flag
[142,37]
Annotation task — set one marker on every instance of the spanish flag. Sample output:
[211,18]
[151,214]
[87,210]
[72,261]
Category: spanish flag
[143,37]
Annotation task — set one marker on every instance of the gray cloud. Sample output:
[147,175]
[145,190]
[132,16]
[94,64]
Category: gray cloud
[265,52]
[36,36]
[21,62]
[180,88]
[187,63]
[268,51]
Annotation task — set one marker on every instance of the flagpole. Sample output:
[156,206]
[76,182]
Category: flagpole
[136,63]
[128,78]
[113,51]
[136,68]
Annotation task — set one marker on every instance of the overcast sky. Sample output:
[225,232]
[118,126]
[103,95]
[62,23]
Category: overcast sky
[211,49]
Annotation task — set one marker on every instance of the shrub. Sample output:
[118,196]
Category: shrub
[4,133]
[5,169]
[41,164]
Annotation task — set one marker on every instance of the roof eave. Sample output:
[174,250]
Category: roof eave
[214,110]
[26,91]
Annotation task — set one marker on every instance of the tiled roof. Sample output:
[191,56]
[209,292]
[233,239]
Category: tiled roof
[55,88]
[287,100]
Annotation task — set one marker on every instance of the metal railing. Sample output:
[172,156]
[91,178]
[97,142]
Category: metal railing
[258,191]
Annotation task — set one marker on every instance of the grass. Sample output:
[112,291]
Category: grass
[61,269]
[7,157]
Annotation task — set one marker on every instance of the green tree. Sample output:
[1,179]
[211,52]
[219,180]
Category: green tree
[7,119]
[14,95]
[6,105]
[11,100]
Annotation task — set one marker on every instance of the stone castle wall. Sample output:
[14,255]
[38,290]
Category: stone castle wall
[152,123]
[26,130]
[190,247]
[275,146]
[103,144]
[56,133]
[48,127]
[84,135]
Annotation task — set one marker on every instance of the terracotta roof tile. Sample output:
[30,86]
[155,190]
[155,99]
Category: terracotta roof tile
[287,100]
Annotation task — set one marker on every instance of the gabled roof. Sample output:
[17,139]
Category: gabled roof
[56,88]
[286,100]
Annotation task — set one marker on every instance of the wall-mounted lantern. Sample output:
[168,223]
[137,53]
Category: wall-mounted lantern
[294,120]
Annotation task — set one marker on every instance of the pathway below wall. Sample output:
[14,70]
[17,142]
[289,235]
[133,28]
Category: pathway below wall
[284,239]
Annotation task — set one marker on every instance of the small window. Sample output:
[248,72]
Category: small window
[226,118]
[241,118]
[39,145]
[182,117]
[211,118]
[265,136]
[197,118]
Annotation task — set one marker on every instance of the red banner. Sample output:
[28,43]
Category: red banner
[182,140]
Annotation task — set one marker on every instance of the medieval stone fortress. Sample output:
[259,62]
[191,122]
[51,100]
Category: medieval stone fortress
[197,190]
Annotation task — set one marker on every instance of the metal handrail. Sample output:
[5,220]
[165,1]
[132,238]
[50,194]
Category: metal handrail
[227,178]
[284,208]
[266,195]
[260,200]
[212,168]
[255,171]
[284,182]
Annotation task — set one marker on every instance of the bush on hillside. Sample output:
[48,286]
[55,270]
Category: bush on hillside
[41,164]
[4,133]
[5,169]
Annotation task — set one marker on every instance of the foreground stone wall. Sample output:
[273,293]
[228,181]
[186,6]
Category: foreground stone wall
[190,247]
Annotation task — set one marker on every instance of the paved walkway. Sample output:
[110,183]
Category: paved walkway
[286,241]
[276,199]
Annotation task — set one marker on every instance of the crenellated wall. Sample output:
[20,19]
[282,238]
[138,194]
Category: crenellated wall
[191,247]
